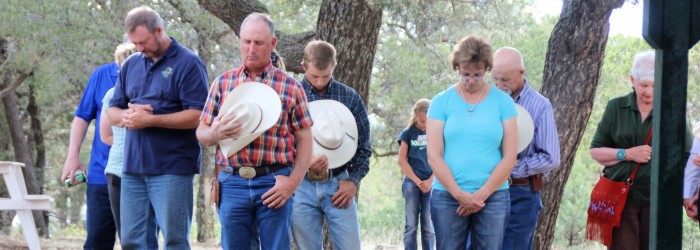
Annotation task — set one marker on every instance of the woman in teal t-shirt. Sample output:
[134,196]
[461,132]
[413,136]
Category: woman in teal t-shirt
[418,178]
[472,144]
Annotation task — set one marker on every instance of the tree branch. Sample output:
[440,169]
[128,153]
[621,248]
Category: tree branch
[385,154]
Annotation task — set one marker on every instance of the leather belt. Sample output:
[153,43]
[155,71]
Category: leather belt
[519,181]
[324,176]
[252,172]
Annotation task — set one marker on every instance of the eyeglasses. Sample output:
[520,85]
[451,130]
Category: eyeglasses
[466,77]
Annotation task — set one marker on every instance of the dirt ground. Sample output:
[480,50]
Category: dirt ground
[17,243]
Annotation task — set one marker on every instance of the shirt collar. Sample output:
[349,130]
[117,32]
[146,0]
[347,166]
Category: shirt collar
[311,89]
[630,101]
[172,49]
[263,74]
[524,92]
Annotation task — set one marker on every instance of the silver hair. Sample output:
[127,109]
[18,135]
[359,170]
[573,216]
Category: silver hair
[643,66]
[145,16]
[265,17]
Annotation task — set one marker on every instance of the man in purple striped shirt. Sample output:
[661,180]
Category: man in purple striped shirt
[538,158]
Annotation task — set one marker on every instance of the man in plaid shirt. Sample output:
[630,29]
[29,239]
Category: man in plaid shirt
[262,204]
[334,196]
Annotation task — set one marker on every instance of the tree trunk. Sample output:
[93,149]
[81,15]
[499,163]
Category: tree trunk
[572,69]
[337,22]
[38,143]
[22,152]
[205,215]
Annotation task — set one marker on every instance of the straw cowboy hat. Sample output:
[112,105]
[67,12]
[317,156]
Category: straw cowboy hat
[256,106]
[526,128]
[334,131]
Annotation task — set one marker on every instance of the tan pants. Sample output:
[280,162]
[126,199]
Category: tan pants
[633,232]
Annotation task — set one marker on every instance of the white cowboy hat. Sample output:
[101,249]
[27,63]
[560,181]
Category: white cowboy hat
[526,128]
[334,131]
[256,106]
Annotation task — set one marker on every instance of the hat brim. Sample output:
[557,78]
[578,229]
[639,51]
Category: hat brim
[254,92]
[526,128]
[336,157]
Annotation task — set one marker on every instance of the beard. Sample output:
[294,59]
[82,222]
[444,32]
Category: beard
[507,90]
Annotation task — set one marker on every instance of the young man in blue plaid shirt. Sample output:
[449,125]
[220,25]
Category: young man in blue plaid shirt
[334,196]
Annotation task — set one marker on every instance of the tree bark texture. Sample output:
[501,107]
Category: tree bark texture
[571,72]
[22,152]
[37,136]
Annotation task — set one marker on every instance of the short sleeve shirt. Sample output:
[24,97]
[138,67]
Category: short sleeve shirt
[115,162]
[174,83]
[89,108]
[472,144]
[417,151]
[277,144]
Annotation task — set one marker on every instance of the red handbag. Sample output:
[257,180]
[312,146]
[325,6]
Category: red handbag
[608,200]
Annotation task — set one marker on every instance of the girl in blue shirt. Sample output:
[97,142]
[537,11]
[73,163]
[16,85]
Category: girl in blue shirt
[417,184]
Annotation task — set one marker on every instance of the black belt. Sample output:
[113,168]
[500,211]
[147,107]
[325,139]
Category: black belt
[337,171]
[252,172]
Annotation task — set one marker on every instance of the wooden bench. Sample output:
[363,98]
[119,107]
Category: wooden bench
[22,202]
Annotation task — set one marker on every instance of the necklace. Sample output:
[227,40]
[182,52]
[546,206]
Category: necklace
[471,110]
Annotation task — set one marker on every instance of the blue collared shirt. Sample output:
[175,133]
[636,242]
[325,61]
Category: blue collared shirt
[174,83]
[359,164]
[542,155]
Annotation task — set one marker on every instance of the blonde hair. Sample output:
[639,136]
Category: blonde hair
[123,52]
[472,50]
[421,105]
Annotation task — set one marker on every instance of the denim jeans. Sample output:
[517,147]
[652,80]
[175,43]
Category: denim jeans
[525,207]
[101,231]
[147,197]
[312,202]
[242,213]
[417,204]
[486,227]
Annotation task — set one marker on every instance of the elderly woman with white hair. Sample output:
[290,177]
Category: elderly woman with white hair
[620,144]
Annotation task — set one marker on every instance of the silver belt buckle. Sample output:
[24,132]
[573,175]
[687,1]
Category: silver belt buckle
[246,172]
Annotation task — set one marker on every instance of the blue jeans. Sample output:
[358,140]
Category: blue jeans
[101,231]
[242,213]
[312,203]
[485,227]
[417,204]
[166,199]
[525,207]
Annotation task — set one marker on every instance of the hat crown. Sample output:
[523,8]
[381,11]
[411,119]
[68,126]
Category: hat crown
[328,130]
[248,114]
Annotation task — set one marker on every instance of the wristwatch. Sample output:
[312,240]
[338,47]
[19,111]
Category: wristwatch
[621,154]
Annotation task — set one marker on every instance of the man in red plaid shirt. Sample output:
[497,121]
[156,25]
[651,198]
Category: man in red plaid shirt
[261,204]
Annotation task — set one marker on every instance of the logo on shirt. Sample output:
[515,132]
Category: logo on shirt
[166,72]
[420,142]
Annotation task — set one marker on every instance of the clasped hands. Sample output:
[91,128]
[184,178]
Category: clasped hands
[138,116]
[470,203]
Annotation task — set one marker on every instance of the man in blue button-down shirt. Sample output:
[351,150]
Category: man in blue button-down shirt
[537,159]
[334,197]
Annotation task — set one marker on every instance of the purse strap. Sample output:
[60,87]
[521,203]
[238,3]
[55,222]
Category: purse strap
[634,172]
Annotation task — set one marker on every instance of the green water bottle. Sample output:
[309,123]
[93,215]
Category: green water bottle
[79,176]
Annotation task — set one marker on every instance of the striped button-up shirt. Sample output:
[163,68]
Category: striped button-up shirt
[276,145]
[358,166]
[542,155]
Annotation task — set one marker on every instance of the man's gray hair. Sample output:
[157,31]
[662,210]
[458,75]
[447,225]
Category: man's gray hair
[264,17]
[643,66]
[145,16]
